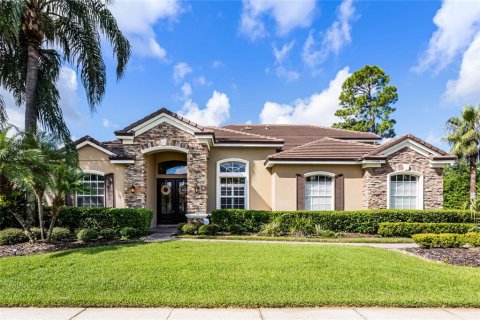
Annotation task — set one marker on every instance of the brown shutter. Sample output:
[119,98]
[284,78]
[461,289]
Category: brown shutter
[339,193]
[69,199]
[300,192]
[109,191]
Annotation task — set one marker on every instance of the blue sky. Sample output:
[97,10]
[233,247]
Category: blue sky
[222,62]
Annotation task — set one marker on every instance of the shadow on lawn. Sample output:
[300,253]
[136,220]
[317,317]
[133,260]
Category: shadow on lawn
[95,249]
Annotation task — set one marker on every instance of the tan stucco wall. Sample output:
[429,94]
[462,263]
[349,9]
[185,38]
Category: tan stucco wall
[284,184]
[93,159]
[260,181]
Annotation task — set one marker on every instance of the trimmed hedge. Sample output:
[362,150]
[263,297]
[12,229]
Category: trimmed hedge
[442,240]
[87,235]
[362,221]
[103,218]
[406,229]
[12,236]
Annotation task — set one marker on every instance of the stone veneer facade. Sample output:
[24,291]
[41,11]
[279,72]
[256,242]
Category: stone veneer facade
[167,135]
[375,180]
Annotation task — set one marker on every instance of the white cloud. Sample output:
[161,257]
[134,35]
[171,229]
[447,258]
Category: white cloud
[217,64]
[288,75]
[319,108]
[457,24]
[202,81]
[180,70]
[281,56]
[334,39]
[216,111]
[466,88]
[186,90]
[106,123]
[137,18]
[288,15]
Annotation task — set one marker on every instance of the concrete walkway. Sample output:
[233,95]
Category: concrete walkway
[237,314]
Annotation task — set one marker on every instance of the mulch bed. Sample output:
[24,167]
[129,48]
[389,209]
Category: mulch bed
[25,249]
[456,256]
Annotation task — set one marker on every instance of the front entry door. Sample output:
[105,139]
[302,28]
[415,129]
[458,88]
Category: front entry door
[171,200]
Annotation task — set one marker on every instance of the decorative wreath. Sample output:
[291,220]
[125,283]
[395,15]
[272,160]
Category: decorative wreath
[165,190]
[183,189]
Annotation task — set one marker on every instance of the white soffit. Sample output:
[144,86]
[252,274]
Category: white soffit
[161,118]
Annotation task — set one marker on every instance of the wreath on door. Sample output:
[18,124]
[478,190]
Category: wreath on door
[165,190]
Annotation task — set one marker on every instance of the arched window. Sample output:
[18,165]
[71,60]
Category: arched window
[405,190]
[232,184]
[319,191]
[94,193]
[173,167]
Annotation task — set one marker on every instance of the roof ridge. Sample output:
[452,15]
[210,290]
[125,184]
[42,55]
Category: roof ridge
[407,136]
[245,133]
[302,145]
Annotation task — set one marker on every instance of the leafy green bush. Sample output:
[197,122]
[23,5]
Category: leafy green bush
[130,233]
[301,227]
[475,228]
[208,229]
[87,235]
[272,229]
[62,234]
[362,221]
[235,229]
[189,228]
[473,239]
[12,236]
[101,218]
[108,234]
[406,229]
[180,227]
[319,232]
[442,240]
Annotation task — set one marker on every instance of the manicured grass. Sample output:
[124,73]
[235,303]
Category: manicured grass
[198,274]
[295,239]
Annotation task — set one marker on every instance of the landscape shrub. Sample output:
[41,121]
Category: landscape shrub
[87,235]
[101,218]
[61,234]
[439,240]
[180,227]
[301,227]
[235,229]
[189,228]
[12,236]
[130,233]
[108,234]
[208,229]
[272,229]
[319,232]
[473,239]
[475,228]
[406,229]
[362,221]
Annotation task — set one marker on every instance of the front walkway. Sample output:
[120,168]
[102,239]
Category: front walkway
[240,314]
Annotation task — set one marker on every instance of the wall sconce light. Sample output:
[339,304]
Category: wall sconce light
[132,189]
[196,189]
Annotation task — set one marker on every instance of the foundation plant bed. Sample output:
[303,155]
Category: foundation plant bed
[221,274]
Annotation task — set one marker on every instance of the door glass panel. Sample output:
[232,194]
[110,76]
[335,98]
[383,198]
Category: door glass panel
[166,198]
[182,196]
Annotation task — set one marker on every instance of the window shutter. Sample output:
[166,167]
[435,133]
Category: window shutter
[300,192]
[69,199]
[339,193]
[109,191]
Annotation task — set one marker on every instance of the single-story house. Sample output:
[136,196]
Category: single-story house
[175,166]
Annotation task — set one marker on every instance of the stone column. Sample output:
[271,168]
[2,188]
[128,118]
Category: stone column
[197,162]
[136,176]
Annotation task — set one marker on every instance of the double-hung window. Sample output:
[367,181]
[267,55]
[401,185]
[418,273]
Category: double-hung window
[319,192]
[405,191]
[93,194]
[232,188]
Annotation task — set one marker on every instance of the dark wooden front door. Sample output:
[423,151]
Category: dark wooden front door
[171,200]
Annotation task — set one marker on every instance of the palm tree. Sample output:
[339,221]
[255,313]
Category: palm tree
[464,137]
[36,35]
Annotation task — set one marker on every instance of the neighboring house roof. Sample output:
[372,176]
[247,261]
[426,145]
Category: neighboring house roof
[225,135]
[326,149]
[298,134]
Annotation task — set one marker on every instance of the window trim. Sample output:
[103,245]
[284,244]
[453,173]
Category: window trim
[98,173]
[245,175]
[320,173]
[420,187]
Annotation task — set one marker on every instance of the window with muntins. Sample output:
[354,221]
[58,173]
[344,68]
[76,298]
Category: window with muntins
[94,193]
[403,191]
[233,188]
[319,193]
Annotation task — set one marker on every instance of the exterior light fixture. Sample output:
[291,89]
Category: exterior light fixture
[132,188]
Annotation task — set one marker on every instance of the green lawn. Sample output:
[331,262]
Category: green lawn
[298,239]
[198,274]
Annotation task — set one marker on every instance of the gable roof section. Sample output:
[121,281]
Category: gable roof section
[114,149]
[326,149]
[225,135]
[297,135]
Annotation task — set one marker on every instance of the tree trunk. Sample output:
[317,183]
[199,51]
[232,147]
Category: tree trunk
[41,222]
[57,204]
[473,182]
[26,224]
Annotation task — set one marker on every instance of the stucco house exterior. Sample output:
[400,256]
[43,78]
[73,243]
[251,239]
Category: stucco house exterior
[174,166]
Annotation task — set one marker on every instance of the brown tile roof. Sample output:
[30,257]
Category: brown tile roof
[377,152]
[115,147]
[297,135]
[326,149]
[225,135]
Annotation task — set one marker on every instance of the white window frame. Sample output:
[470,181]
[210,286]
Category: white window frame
[420,188]
[233,175]
[320,173]
[98,173]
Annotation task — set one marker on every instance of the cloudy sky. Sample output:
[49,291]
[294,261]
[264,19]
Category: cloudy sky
[266,61]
